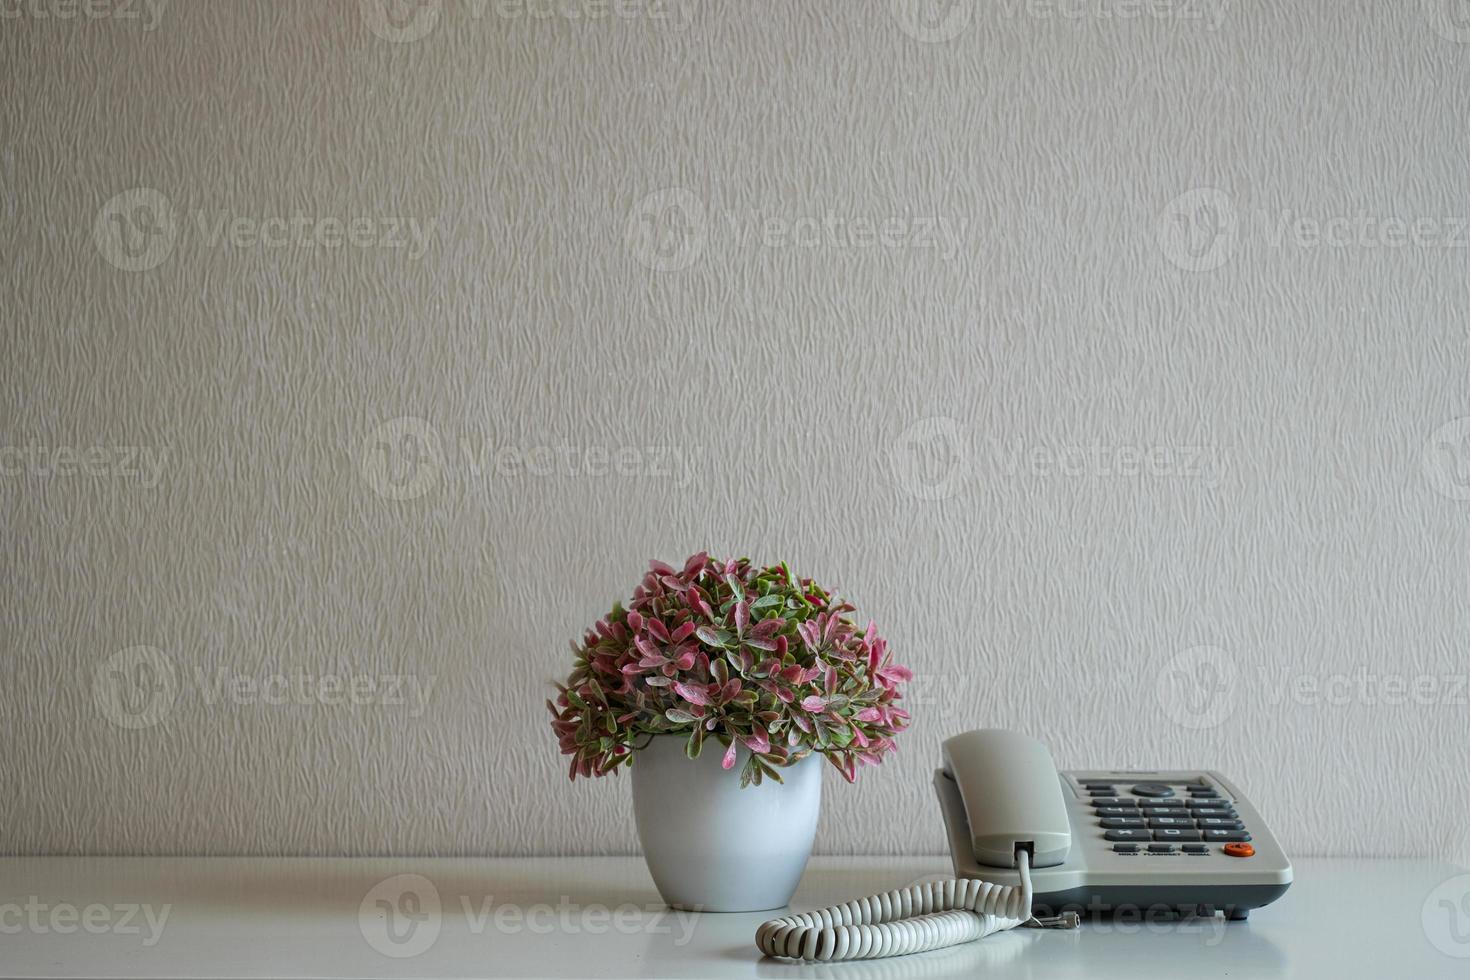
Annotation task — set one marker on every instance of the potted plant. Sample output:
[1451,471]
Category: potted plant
[766,665]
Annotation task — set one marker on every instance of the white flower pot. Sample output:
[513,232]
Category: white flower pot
[712,846]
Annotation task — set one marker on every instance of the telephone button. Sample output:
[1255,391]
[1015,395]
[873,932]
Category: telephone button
[1127,835]
[1162,805]
[1239,850]
[1227,835]
[1116,811]
[1161,848]
[1196,849]
[1157,822]
[1125,848]
[1152,789]
[1122,823]
[1176,833]
[1202,792]
[1113,801]
[1220,823]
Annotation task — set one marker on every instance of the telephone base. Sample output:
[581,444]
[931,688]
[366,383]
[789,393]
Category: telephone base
[1097,882]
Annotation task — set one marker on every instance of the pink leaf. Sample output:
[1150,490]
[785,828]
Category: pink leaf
[742,617]
[635,621]
[696,563]
[729,759]
[813,703]
[693,693]
[660,567]
[758,741]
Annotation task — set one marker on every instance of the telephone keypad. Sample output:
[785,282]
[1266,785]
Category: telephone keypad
[1155,815]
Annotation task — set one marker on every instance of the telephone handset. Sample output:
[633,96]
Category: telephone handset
[1167,843]
[1011,796]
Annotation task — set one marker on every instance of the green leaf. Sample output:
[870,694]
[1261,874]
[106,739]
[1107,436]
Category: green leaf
[766,602]
[678,716]
[710,636]
[695,743]
[750,772]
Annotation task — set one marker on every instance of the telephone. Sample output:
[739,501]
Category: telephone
[1027,839]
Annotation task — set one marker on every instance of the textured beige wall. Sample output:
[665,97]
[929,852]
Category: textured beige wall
[1113,356]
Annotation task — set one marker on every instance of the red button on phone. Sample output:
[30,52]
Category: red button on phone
[1239,850]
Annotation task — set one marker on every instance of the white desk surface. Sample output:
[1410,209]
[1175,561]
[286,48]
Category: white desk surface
[601,917]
